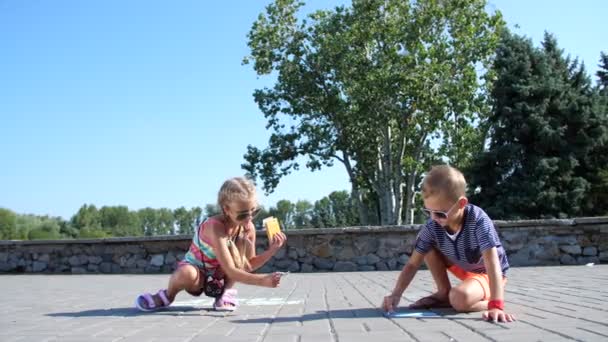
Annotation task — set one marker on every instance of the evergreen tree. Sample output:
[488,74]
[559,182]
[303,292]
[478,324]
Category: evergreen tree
[545,126]
[602,74]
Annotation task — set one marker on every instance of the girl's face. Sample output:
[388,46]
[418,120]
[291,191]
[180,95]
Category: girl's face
[242,212]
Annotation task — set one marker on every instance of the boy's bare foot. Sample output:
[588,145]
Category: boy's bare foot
[433,301]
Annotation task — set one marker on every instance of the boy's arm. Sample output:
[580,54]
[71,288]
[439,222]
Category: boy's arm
[490,259]
[408,273]
[405,278]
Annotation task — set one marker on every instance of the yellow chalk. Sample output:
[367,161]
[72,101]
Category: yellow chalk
[272,227]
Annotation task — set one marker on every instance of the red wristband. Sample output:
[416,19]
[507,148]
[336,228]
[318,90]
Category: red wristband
[496,304]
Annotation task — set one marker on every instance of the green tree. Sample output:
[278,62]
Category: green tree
[47,230]
[87,217]
[183,220]
[322,214]
[187,220]
[148,218]
[197,214]
[166,222]
[545,125]
[302,216]
[369,86]
[119,221]
[335,210]
[597,161]
[26,223]
[343,209]
[284,211]
[212,210]
[92,233]
[8,225]
[602,73]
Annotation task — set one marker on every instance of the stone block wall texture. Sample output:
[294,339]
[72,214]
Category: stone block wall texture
[528,243]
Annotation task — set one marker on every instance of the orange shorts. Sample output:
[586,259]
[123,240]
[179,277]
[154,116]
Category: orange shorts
[482,278]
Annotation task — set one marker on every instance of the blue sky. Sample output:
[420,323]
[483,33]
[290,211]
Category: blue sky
[146,103]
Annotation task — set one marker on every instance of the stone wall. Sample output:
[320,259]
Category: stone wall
[542,242]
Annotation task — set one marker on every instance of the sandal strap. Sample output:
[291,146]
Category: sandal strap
[149,300]
[163,297]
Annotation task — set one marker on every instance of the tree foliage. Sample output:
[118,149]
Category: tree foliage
[547,127]
[369,86]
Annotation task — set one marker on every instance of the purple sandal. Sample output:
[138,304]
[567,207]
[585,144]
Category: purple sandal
[145,302]
[227,302]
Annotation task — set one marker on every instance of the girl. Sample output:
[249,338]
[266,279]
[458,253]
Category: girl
[222,253]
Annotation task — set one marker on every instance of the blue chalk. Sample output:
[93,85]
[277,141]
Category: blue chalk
[411,314]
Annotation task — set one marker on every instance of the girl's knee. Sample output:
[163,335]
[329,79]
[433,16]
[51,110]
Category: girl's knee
[186,274]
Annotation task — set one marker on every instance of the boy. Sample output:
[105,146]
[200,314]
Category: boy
[460,238]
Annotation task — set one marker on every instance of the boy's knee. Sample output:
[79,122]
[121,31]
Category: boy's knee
[460,299]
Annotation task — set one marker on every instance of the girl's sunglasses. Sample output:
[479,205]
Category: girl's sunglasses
[442,215]
[244,215]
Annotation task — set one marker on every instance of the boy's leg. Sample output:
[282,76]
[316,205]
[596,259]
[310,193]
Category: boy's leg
[468,296]
[438,265]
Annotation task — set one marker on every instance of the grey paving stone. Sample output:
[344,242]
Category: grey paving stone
[551,303]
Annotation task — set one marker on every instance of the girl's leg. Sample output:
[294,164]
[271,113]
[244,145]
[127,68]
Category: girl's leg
[185,277]
[228,285]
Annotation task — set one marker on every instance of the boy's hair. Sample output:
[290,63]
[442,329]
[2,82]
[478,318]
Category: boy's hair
[238,189]
[446,181]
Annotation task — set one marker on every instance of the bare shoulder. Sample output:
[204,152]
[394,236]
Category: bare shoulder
[215,227]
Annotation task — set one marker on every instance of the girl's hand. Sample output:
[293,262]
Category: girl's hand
[278,240]
[271,280]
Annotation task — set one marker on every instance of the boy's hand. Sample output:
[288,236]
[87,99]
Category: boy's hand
[497,315]
[390,303]
[278,240]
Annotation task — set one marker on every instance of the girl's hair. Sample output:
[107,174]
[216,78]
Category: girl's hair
[445,181]
[238,189]
[235,189]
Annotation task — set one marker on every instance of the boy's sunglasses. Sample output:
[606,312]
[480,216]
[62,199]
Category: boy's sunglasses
[438,213]
[244,215]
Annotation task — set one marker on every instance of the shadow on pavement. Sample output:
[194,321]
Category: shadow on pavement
[350,313]
[132,312]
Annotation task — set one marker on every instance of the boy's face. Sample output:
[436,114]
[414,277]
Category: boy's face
[443,210]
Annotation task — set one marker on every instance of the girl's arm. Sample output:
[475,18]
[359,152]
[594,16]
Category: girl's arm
[220,240]
[257,261]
